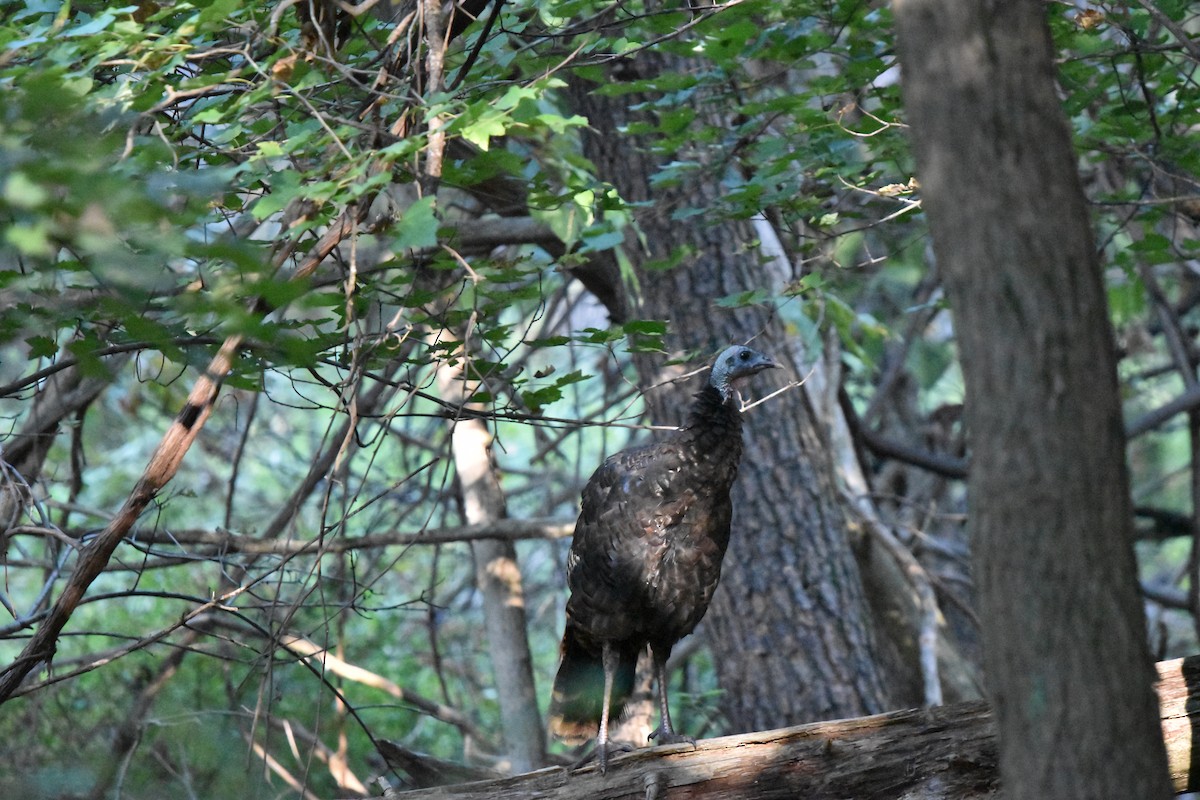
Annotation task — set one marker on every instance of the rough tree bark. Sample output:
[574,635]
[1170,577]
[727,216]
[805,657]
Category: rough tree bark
[1064,635]
[789,626]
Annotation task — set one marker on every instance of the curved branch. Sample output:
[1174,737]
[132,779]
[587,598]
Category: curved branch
[946,466]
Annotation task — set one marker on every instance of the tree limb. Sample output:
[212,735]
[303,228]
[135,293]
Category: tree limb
[227,542]
[944,753]
[162,467]
[1187,401]
[944,465]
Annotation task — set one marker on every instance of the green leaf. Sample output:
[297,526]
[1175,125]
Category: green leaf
[84,350]
[537,399]
[601,237]
[93,26]
[285,187]
[218,10]
[1126,300]
[601,335]
[548,341]
[22,192]
[418,227]
[753,297]
[560,124]
[650,326]
[30,240]
[41,346]
[270,149]
[480,131]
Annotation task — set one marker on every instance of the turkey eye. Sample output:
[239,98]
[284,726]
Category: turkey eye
[744,355]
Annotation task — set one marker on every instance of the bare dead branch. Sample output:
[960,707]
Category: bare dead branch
[164,463]
[339,770]
[278,768]
[96,660]
[227,542]
[323,660]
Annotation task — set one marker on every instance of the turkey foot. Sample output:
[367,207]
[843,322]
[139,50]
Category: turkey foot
[660,736]
[600,753]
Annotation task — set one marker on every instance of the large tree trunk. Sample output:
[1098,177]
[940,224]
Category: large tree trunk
[789,626]
[1064,636]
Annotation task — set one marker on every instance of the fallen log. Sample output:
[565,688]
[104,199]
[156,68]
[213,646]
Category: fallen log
[943,753]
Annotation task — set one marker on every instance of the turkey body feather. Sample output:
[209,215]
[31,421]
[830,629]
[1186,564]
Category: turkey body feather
[646,557]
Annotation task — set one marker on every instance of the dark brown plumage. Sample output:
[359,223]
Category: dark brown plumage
[646,557]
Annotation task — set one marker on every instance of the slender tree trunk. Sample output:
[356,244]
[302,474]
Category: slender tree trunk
[1064,635]
[499,580]
[789,626]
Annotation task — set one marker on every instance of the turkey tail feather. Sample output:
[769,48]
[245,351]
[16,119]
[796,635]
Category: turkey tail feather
[578,696]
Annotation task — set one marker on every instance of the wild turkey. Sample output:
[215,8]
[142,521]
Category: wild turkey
[646,557]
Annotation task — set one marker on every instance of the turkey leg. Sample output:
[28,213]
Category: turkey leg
[609,658]
[664,733]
